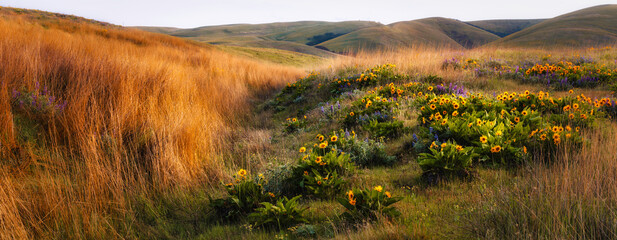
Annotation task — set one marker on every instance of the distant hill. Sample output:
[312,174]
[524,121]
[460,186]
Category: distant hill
[441,32]
[291,36]
[163,30]
[503,28]
[592,26]
[588,27]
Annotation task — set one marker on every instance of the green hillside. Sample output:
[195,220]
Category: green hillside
[163,30]
[505,27]
[273,55]
[595,26]
[283,45]
[292,36]
[318,33]
[588,27]
[440,32]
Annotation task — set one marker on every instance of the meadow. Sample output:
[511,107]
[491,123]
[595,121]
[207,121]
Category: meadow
[112,133]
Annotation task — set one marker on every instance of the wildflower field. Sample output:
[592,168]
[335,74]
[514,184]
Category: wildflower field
[438,150]
[112,133]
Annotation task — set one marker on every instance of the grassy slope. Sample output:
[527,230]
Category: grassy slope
[292,36]
[504,27]
[315,34]
[455,209]
[588,27]
[284,45]
[163,30]
[145,112]
[430,31]
[273,55]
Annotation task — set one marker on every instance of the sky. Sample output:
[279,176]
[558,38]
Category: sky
[195,13]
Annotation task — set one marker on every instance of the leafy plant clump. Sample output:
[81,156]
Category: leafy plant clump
[362,204]
[38,104]
[447,158]
[279,215]
[244,196]
[365,153]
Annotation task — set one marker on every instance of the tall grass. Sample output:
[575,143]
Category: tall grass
[426,60]
[143,111]
[573,198]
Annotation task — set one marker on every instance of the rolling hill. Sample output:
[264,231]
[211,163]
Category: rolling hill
[503,27]
[441,32]
[314,37]
[588,27]
[592,26]
[292,36]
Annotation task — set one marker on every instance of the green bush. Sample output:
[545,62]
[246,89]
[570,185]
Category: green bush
[293,124]
[369,78]
[323,176]
[277,180]
[304,231]
[370,108]
[369,204]
[364,153]
[37,104]
[280,215]
[384,129]
[447,158]
[245,195]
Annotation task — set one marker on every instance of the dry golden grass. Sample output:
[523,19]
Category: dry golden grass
[144,111]
[573,198]
[424,60]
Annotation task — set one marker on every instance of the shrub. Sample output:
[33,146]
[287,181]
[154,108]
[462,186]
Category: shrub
[511,121]
[384,129]
[37,104]
[293,92]
[304,231]
[245,195]
[331,111]
[447,158]
[293,124]
[280,215]
[369,204]
[364,153]
[369,108]
[277,180]
[322,175]
[370,77]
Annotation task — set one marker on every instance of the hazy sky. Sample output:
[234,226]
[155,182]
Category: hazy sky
[194,13]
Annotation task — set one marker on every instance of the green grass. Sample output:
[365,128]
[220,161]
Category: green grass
[273,55]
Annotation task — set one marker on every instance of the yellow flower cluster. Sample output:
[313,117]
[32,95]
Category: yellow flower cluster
[564,68]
